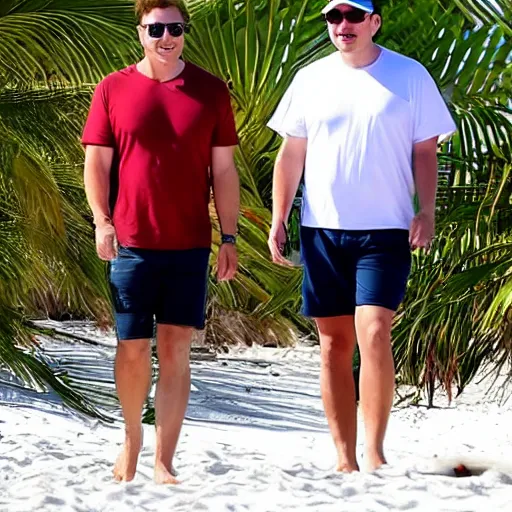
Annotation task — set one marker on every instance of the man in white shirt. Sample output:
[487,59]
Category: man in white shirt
[362,124]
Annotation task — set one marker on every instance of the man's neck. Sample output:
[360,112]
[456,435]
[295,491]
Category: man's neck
[161,71]
[363,58]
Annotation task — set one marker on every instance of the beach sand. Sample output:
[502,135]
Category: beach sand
[255,438]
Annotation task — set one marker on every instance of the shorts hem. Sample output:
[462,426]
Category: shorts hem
[328,314]
[133,338]
[378,304]
[199,327]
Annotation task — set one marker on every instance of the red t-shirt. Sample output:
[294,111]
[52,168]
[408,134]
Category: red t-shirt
[162,134]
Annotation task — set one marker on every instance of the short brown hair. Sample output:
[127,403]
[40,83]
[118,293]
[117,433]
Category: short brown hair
[143,7]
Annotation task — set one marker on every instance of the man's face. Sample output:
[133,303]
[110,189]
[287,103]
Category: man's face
[352,36]
[160,44]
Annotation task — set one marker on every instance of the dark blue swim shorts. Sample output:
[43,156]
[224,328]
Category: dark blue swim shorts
[169,287]
[344,269]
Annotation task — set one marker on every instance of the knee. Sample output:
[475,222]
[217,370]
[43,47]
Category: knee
[336,350]
[173,349]
[337,340]
[376,338]
[134,351]
[173,354]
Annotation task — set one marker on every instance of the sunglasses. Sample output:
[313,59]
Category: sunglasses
[156,30]
[335,17]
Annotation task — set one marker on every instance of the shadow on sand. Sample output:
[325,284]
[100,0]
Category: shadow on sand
[238,392]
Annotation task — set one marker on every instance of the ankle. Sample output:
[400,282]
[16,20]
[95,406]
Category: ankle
[164,457]
[343,458]
[164,464]
[347,457]
[375,453]
[374,461]
[346,467]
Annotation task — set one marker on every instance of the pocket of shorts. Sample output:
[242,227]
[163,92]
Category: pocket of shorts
[130,282]
[117,266]
[125,261]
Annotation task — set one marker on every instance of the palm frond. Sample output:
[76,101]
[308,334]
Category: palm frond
[29,116]
[75,41]
[488,12]
[20,354]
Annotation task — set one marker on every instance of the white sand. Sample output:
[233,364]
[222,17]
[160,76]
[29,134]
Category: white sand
[256,439]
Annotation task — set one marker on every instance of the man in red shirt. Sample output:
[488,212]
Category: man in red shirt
[159,133]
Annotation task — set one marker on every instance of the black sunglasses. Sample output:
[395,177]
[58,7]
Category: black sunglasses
[157,30]
[335,17]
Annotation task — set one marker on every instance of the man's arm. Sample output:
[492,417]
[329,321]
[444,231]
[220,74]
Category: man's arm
[288,170]
[425,177]
[425,174]
[226,193]
[98,162]
[226,188]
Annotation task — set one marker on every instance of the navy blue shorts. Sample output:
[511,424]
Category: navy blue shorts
[167,286]
[344,269]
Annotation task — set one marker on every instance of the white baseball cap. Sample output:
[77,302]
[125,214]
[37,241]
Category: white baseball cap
[364,5]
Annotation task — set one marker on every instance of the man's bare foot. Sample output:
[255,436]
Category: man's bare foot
[164,475]
[346,467]
[126,463]
[374,461]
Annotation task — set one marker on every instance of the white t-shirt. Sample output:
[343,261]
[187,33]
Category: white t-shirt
[361,125]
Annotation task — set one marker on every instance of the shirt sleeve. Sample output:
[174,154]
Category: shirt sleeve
[98,129]
[224,133]
[432,118]
[288,118]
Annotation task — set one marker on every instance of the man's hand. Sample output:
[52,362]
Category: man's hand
[422,231]
[106,241]
[276,244]
[227,262]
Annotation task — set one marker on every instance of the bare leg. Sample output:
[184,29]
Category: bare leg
[172,393]
[337,342]
[377,381]
[133,380]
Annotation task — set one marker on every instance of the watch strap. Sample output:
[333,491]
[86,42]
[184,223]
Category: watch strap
[228,239]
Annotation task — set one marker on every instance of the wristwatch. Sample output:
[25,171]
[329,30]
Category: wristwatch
[228,239]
